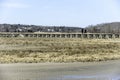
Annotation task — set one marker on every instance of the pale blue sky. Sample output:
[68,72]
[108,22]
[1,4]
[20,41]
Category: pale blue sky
[78,13]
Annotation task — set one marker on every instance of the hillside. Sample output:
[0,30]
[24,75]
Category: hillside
[36,28]
[113,27]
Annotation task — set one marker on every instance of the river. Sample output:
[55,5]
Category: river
[107,70]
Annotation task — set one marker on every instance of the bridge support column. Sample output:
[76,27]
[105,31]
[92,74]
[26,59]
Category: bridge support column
[88,36]
[106,36]
[82,36]
[94,36]
[113,36]
[100,36]
[76,35]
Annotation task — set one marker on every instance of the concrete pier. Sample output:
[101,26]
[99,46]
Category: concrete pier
[63,35]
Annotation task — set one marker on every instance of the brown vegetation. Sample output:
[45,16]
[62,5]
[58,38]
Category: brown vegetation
[35,50]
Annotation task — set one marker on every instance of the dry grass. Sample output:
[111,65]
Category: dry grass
[35,50]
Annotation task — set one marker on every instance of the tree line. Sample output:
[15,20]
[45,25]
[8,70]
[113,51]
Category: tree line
[113,27]
[35,28]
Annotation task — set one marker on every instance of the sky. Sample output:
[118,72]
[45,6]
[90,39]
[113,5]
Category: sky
[76,13]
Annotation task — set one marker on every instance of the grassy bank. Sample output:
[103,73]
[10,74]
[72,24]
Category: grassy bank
[29,50]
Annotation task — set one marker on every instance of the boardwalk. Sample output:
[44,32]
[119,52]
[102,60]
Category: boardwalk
[62,35]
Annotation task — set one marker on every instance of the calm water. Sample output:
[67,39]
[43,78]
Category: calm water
[61,71]
[95,77]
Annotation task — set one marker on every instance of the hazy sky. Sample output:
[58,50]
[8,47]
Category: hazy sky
[79,13]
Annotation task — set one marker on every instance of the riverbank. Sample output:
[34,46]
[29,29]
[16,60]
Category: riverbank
[39,50]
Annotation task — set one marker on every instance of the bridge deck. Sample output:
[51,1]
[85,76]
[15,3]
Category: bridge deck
[62,35]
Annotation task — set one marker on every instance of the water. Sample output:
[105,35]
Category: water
[94,77]
[61,71]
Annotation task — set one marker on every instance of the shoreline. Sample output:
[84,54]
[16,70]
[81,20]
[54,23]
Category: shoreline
[44,63]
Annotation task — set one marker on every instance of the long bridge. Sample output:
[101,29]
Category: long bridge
[62,35]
